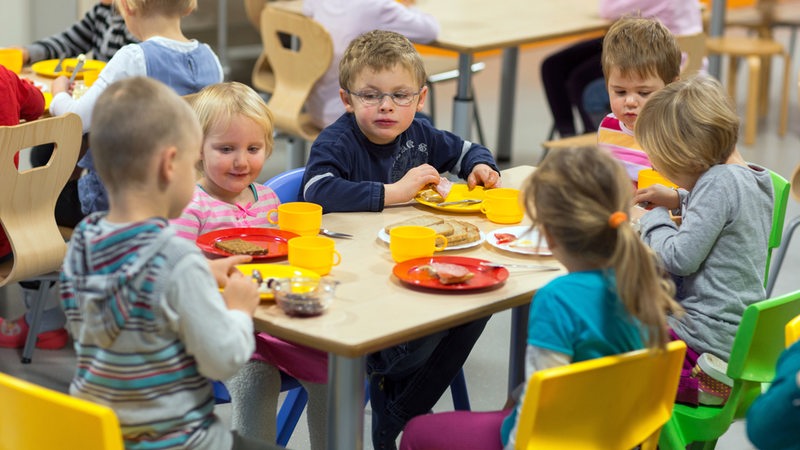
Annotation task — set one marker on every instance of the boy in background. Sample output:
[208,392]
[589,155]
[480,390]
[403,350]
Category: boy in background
[149,323]
[377,154]
[640,57]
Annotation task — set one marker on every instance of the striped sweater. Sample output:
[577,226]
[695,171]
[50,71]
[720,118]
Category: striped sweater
[150,328]
[619,140]
[101,32]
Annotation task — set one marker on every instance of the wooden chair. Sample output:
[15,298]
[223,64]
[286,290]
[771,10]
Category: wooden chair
[262,78]
[35,418]
[617,402]
[296,69]
[693,45]
[27,205]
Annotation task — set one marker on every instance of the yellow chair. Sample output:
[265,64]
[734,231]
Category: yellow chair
[614,402]
[792,331]
[27,205]
[37,418]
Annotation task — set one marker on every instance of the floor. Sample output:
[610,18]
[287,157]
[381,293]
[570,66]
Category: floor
[486,367]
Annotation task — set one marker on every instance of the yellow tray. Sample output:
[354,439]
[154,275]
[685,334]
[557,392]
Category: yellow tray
[47,67]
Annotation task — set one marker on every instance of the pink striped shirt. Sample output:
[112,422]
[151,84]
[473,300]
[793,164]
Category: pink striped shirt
[619,140]
[205,213]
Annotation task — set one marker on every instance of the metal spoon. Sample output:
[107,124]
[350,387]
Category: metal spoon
[464,202]
[334,234]
[257,276]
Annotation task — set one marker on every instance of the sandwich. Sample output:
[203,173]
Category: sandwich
[447,273]
[435,193]
[240,247]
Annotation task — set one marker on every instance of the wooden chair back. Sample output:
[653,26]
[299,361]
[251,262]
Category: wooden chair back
[28,197]
[34,418]
[694,45]
[262,78]
[296,67]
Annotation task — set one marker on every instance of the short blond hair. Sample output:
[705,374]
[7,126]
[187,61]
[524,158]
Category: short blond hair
[218,104]
[178,8]
[641,46]
[380,50]
[132,121]
[688,126]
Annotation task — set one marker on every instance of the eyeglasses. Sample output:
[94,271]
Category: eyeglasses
[374,98]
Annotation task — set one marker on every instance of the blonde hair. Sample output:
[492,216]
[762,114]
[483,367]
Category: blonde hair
[218,104]
[572,196]
[173,8]
[688,126]
[643,47]
[380,50]
[132,121]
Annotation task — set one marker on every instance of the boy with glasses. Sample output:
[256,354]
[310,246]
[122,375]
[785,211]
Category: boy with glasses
[377,154]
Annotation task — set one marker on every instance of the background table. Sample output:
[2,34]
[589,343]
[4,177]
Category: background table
[373,310]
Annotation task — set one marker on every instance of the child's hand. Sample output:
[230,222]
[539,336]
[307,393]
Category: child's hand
[61,84]
[241,293]
[658,195]
[483,175]
[222,268]
[407,187]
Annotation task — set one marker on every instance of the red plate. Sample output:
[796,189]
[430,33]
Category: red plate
[485,277]
[273,239]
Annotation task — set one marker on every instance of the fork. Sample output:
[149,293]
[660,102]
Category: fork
[334,234]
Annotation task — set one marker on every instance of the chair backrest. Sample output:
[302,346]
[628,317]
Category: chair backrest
[296,67]
[694,45]
[792,331]
[780,189]
[34,418]
[28,197]
[287,184]
[796,183]
[616,401]
[262,78]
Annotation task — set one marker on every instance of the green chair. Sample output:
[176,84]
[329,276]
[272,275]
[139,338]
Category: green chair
[787,233]
[758,343]
[781,188]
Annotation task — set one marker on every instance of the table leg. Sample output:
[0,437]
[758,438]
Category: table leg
[516,357]
[222,36]
[346,377]
[716,29]
[508,88]
[462,102]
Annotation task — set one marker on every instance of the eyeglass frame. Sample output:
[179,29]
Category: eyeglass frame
[385,94]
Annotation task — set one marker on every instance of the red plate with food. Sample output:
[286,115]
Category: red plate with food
[457,273]
[260,243]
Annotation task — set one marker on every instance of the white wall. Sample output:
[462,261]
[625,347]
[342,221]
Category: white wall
[26,20]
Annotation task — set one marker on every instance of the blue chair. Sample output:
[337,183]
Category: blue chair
[287,184]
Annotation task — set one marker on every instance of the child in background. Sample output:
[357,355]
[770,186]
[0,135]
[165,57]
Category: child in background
[165,54]
[345,20]
[613,300]
[718,254]
[237,140]
[143,305]
[377,154]
[640,56]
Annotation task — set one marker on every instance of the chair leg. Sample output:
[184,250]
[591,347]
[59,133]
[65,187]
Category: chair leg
[784,119]
[431,100]
[458,389]
[478,126]
[33,328]
[751,117]
[780,254]
[733,66]
[289,414]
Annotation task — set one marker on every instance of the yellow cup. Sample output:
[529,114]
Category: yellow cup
[90,76]
[11,59]
[317,253]
[303,218]
[502,205]
[411,241]
[649,177]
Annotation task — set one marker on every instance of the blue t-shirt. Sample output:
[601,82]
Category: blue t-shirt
[580,315]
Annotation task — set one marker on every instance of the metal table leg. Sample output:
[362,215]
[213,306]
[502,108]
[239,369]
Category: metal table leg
[346,377]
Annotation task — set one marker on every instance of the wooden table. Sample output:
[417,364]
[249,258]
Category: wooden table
[373,310]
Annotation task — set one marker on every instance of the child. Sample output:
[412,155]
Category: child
[237,130]
[345,20]
[719,253]
[640,56]
[377,154]
[149,321]
[165,54]
[613,300]
[101,31]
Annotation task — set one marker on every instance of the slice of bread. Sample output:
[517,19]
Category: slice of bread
[240,247]
[423,221]
[463,233]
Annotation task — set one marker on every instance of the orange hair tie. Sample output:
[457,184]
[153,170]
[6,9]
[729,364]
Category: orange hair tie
[616,219]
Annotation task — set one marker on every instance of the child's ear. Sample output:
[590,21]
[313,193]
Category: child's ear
[423,94]
[166,165]
[348,106]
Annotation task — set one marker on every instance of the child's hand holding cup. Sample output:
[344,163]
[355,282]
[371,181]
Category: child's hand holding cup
[303,218]
[502,205]
[411,241]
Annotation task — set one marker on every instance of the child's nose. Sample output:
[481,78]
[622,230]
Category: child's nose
[386,103]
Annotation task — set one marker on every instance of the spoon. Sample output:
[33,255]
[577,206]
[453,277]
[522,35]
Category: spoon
[257,276]
[519,266]
[334,234]
[466,201]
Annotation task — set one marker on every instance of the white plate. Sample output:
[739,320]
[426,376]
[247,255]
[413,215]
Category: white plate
[384,236]
[527,241]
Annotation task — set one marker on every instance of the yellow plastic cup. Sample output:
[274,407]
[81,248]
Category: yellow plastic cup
[11,59]
[502,205]
[649,177]
[317,253]
[90,76]
[303,218]
[412,241]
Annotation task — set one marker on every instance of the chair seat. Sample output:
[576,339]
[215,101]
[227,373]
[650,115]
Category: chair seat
[743,46]
[583,140]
